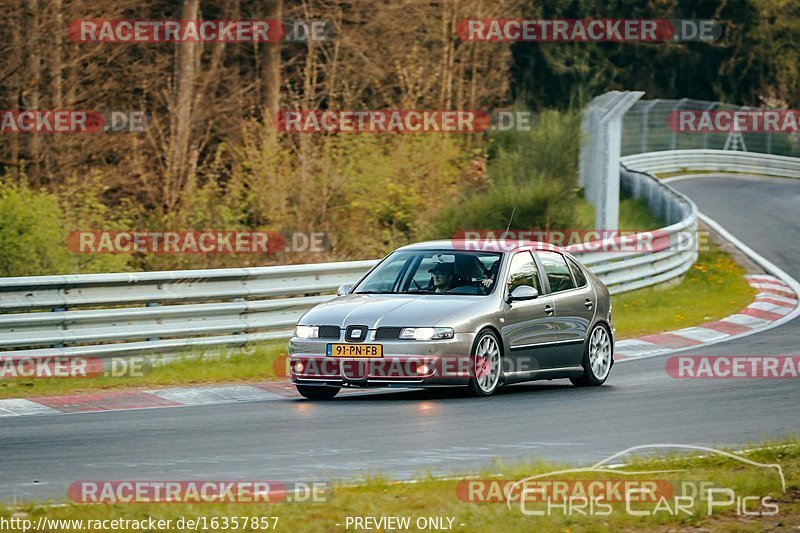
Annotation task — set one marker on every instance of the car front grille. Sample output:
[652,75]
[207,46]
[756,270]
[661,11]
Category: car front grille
[329,332]
[356,333]
[387,333]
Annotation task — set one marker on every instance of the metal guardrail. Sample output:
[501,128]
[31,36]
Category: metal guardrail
[165,313]
[675,249]
[161,312]
[714,160]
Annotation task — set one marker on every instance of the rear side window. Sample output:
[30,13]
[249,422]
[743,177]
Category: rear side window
[580,277]
[557,271]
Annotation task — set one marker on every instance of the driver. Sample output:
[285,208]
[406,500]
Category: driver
[444,276]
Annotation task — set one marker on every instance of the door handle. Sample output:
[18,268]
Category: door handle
[588,303]
[548,309]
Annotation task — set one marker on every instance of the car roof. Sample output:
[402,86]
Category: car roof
[481,245]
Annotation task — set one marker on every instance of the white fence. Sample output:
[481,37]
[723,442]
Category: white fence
[646,129]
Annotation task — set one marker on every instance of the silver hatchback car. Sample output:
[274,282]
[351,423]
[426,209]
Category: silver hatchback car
[443,314]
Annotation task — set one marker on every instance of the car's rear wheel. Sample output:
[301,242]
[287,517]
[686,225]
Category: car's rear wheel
[596,358]
[317,392]
[486,364]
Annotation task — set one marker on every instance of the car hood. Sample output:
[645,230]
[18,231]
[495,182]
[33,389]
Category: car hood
[375,310]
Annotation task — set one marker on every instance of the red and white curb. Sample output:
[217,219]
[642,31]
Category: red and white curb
[775,301]
[126,400]
[150,399]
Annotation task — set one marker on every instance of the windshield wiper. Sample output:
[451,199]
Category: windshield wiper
[418,291]
[374,292]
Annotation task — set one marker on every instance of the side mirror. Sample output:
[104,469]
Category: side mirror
[344,289]
[521,293]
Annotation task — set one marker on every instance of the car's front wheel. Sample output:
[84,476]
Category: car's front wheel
[486,364]
[317,392]
[596,358]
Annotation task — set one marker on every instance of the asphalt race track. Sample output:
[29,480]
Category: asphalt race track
[404,433]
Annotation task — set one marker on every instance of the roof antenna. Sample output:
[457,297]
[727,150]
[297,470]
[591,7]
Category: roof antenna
[510,219]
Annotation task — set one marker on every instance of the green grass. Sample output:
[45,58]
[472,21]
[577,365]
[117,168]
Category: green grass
[712,289]
[254,363]
[380,496]
[633,215]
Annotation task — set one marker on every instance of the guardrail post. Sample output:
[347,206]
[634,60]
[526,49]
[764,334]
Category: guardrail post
[646,123]
[599,164]
[152,304]
[59,309]
[674,140]
[710,107]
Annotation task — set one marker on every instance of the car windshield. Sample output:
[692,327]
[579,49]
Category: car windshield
[433,272]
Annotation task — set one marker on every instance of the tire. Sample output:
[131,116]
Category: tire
[485,380]
[317,392]
[598,357]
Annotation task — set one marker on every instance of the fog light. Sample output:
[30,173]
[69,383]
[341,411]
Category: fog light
[299,367]
[423,369]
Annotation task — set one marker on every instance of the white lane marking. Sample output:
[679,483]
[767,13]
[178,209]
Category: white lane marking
[783,289]
[772,308]
[764,277]
[628,345]
[21,407]
[538,445]
[746,320]
[789,302]
[215,395]
[700,333]
[772,285]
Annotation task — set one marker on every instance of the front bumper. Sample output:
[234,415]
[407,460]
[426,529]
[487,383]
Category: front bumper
[405,363]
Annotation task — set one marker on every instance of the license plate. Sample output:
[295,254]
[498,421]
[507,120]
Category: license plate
[355,350]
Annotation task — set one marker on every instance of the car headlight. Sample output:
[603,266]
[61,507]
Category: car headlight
[426,334]
[306,332]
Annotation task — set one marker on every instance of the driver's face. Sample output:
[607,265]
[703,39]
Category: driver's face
[441,279]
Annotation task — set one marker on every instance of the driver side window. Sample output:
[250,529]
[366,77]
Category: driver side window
[523,272]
